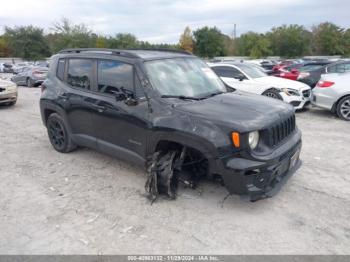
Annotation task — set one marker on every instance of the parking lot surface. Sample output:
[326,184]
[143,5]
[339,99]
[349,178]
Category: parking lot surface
[85,202]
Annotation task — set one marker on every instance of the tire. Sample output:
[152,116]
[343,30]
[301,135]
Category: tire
[273,94]
[29,82]
[59,136]
[343,108]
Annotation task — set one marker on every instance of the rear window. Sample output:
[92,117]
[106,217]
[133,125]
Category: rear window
[79,73]
[60,68]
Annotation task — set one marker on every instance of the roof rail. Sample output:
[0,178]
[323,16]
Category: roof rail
[100,50]
[161,50]
[129,53]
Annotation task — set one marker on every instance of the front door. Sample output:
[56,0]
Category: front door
[121,128]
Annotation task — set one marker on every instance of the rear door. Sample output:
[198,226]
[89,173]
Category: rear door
[121,127]
[76,76]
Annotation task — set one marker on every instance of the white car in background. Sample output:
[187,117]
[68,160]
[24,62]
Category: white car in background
[332,92]
[8,92]
[249,78]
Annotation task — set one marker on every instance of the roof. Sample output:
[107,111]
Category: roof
[147,54]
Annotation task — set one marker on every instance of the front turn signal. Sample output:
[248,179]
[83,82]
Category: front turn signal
[236,139]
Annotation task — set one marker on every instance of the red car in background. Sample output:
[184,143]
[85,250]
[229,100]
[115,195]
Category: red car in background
[285,73]
[289,71]
[276,69]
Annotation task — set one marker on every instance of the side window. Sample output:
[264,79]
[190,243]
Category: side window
[226,71]
[342,68]
[79,73]
[60,68]
[347,67]
[331,69]
[114,77]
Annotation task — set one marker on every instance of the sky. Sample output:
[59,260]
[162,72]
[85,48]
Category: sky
[162,21]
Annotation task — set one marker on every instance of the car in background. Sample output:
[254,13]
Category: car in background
[6,68]
[30,76]
[311,73]
[268,64]
[287,72]
[41,63]
[248,78]
[332,92]
[18,66]
[276,68]
[264,63]
[8,93]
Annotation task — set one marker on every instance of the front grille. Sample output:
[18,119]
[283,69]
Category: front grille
[2,89]
[306,93]
[281,131]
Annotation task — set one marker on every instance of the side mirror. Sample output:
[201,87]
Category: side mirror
[130,101]
[240,77]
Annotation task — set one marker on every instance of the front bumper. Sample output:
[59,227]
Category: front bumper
[8,97]
[255,180]
[299,102]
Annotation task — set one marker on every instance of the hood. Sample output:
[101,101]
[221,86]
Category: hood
[279,82]
[242,112]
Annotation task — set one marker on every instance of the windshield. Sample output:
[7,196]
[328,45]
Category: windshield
[251,71]
[183,77]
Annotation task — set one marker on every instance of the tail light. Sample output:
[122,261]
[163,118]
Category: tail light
[303,75]
[39,73]
[325,84]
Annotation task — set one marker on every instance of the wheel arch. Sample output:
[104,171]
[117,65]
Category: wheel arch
[335,105]
[178,142]
[48,108]
[275,89]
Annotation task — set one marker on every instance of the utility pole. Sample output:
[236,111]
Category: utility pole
[234,33]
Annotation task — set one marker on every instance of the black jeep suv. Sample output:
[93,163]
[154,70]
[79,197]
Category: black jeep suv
[168,111]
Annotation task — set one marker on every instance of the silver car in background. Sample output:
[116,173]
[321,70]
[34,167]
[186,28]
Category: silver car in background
[332,92]
[30,76]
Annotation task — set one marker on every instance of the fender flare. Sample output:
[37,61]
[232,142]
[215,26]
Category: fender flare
[195,142]
[46,105]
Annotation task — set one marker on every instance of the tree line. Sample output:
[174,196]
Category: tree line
[31,43]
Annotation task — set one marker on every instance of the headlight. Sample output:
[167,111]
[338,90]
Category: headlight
[253,139]
[11,87]
[290,92]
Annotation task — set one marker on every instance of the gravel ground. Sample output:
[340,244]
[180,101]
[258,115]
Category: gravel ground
[89,203]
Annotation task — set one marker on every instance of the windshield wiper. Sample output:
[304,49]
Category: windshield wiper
[181,97]
[211,95]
